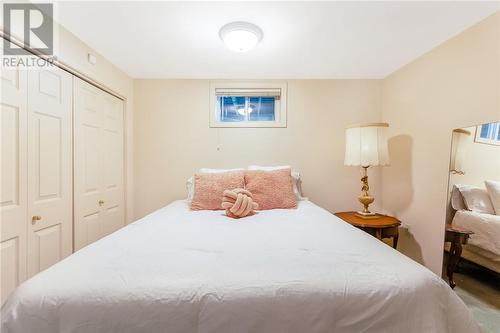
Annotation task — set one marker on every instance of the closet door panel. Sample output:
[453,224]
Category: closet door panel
[48,243]
[88,171]
[13,181]
[113,212]
[11,256]
[99,191]
[49,167]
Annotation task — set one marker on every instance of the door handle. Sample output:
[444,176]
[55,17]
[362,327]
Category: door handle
[101,202]
[35,219]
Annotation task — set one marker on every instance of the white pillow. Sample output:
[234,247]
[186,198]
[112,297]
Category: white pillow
[493,188]
[190,189]
[190,182]
[297,189]
[268,168]
[457,201]
[476,199]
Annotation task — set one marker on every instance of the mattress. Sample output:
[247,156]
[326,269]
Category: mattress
[486,228]
[176,270]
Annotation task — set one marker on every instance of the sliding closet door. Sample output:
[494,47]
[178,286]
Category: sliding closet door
[113,212]
[13,204]
[87,171]
[98,170]
[49,167]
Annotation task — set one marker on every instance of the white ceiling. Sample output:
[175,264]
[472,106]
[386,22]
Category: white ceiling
[301,39]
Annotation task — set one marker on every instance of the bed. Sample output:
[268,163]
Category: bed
[285,270]
[483,246]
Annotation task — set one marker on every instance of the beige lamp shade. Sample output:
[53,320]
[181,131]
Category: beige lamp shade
[366,145]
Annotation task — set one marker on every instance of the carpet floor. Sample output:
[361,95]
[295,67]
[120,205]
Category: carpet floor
[479,288]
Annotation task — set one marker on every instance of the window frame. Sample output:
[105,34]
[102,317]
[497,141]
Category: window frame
[479,139]
[280,110]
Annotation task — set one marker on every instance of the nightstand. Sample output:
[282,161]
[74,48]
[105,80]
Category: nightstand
[457,237]
[383,226]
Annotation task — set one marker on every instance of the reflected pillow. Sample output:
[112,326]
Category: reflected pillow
[457,200]
[476,199]
[493,188]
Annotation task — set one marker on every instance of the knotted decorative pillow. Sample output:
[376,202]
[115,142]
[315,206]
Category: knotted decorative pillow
[238,203]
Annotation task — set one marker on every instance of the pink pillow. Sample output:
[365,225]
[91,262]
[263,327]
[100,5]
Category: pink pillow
[209,188]
[271,189]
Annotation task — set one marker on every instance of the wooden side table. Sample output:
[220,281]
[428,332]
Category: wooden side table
[382,227]
[457,237]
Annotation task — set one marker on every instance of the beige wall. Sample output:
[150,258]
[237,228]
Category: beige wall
[171,129]
[455,85]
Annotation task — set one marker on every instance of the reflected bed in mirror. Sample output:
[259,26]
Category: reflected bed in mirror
[472,236]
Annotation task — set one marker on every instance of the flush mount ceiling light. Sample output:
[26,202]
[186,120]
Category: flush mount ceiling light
[240,36]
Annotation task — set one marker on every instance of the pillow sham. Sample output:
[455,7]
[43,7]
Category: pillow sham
[493,188]
[457,200]
[297,189]
[476,199]
[209,188]
[268,168]
[271,189]
[190,189]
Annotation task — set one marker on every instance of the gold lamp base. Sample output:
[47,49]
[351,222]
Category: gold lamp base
[366,199]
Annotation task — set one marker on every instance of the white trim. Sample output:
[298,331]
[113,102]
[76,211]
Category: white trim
[271,92]
[281,103]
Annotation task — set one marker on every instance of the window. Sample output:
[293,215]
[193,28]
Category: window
[247,104]
[246,108]
[488,133]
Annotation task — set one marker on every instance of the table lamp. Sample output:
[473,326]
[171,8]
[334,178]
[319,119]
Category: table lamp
[365,146]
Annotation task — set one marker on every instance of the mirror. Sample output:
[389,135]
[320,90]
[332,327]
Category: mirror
[472,236]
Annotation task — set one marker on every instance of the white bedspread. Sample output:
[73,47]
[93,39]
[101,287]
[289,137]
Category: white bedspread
[486,228]
[287,271]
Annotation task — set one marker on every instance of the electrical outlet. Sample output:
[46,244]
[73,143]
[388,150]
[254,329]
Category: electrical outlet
[406,226]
